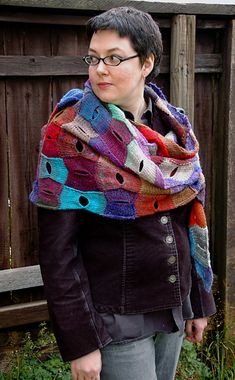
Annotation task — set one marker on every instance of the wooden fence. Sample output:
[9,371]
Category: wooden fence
[40,59]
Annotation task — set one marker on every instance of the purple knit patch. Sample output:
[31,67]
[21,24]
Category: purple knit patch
[49,192]
[120,202]
[81,173]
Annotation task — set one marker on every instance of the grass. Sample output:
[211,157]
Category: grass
[38,359]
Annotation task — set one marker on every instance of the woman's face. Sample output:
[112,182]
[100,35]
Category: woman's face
[122,85]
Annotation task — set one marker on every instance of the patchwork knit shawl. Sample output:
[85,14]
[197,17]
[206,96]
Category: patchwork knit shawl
[92,157]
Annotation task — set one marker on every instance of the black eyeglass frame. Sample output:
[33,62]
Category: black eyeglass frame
[108,56]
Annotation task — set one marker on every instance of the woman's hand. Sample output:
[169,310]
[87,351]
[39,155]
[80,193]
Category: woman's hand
[87,367]
[194,329]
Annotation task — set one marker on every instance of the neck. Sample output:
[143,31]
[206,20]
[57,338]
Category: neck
[137,109]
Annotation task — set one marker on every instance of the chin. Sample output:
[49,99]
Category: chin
[106,99]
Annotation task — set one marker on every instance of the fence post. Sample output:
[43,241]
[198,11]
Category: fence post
[4,180]
[229,280]
[182,65]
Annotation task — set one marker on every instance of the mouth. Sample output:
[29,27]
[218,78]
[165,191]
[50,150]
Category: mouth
[103,85]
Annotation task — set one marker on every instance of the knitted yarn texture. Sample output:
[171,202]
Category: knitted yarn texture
[92,157]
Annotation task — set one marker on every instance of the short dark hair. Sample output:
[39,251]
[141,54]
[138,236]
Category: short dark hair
[138,26]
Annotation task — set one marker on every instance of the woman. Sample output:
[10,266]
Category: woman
[123,237]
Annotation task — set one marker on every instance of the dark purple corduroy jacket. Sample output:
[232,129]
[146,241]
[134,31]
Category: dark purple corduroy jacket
[92,264]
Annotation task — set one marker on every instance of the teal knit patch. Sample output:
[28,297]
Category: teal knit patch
[90,200]
[53,168]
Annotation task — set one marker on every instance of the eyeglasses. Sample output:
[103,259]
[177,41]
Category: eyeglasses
[110,60]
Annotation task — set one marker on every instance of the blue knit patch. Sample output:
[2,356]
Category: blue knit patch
[198,238]
[70,97]
[96,114]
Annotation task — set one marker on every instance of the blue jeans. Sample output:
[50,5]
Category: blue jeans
[152,358]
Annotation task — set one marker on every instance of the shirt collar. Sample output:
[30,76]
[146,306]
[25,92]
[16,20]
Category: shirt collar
[146,117]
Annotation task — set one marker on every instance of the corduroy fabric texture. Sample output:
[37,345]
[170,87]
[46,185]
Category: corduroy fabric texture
[92,157]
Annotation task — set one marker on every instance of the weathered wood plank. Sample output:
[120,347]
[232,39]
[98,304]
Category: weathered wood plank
[205,98]
[230,225]
[22,314]
[81,20]
[72,43]
[73,65]
[4,174]
[28,102]
[4,201]
[219,7]
[24,125]
[211,24]
[20,278]
[209,41]
[13,40]
[224,185]
[208,63]
[42,66]
[17,16]
[4,180]
[182,65]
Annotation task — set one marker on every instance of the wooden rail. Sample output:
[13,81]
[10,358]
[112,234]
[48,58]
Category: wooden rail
[24,312]
[16,65]
[20,278]
[219,7]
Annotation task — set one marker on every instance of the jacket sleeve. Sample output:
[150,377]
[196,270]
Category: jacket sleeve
[203,304]
[78,328]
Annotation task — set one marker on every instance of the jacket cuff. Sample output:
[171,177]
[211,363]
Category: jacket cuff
[73,342]
[203,304]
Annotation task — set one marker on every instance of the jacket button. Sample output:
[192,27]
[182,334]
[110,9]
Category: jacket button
[172,279]
[164,220]
[169,239]
[171,260]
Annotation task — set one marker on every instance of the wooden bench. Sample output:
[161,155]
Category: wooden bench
[25,312]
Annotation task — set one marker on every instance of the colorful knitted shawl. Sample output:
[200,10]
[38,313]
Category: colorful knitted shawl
[92,157]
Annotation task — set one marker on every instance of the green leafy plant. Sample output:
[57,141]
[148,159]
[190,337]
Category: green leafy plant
[37,359]
[191,367]
[212,360]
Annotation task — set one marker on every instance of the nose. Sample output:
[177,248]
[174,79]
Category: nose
[101,68]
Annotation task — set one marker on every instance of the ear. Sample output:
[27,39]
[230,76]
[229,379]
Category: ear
[148,65]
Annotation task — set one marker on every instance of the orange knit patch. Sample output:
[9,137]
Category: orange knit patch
[197,215]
